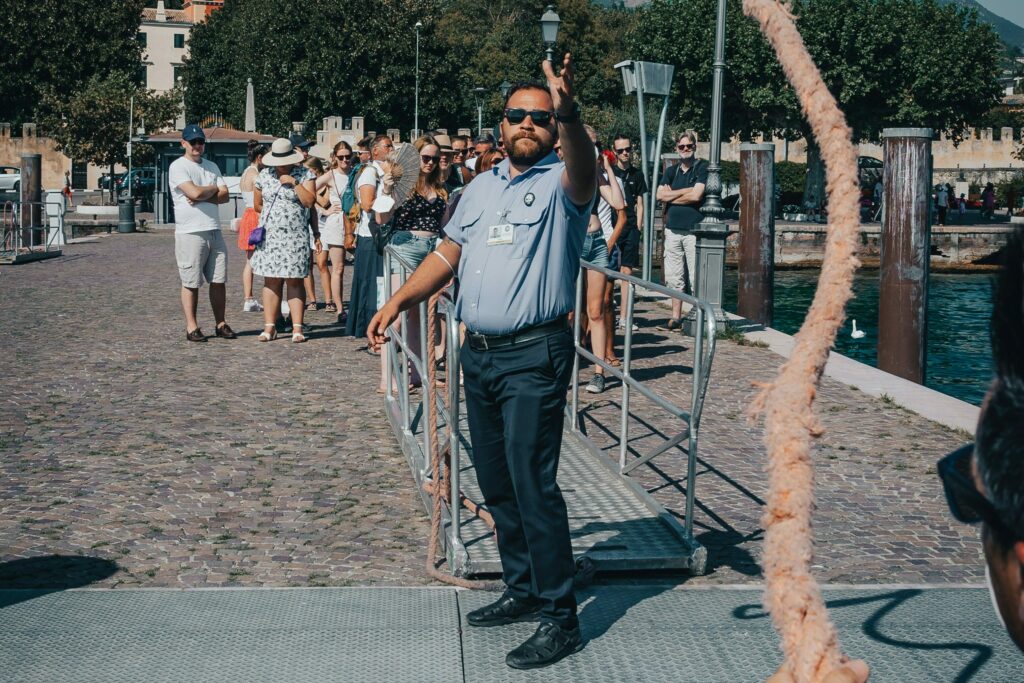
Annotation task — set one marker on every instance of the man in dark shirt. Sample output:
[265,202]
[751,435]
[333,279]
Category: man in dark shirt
[682,190]
[634,187]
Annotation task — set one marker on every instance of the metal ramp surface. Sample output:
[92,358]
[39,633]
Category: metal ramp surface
[612,520]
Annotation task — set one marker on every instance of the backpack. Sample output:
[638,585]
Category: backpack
[350,205]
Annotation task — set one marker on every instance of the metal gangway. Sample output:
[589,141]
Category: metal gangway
[614,521]
[26,235]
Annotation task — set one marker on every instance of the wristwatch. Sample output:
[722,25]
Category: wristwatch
[572,117]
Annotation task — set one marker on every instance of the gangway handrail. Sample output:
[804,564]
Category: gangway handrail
[400,355]
[703,356]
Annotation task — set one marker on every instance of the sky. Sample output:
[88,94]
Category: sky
[1007,9]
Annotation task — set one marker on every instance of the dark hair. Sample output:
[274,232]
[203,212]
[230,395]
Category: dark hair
[526,85]
[463,138]
[486,138]
[255,150]
[621,136]
[364,143]
[999,438]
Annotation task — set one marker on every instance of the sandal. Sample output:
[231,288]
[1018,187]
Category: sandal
[266,336]
[331,308]
[297,336]
[311,306]
[615,363]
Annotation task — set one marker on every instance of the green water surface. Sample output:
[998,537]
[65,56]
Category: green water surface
[959,359]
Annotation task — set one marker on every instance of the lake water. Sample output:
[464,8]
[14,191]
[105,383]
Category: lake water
[959,361]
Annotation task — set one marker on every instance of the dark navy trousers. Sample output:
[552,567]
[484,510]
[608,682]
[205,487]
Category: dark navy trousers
[515,402]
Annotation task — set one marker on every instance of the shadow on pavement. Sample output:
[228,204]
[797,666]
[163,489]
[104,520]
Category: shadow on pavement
[872,628]
[49,574]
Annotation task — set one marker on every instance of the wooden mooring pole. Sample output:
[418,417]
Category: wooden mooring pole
[906,242]
[755,296]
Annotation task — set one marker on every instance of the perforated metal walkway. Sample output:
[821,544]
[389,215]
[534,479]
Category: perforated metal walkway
[396,635]
[612,520]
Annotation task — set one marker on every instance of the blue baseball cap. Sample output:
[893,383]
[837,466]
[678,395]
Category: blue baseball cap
[192,132]
[299,141]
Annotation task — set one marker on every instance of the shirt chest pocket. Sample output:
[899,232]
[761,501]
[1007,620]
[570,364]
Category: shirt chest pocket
[527,228]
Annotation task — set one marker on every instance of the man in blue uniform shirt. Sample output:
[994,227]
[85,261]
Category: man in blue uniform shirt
[515,242]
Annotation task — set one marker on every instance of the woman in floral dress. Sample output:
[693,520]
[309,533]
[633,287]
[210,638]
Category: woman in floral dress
[283,195]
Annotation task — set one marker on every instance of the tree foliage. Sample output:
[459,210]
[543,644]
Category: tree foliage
[366,64]
[61,44]
[887,62]
[92,124]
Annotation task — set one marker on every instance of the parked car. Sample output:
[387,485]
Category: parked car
[143,181]
[10,178]
[104,181]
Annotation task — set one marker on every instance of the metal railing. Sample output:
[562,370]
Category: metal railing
[703,355]
[410,413]
[31,227]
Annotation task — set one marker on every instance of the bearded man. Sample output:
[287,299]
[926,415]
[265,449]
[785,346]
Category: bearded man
[515,241]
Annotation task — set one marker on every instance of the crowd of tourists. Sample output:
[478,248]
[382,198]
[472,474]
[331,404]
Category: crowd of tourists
[310,211]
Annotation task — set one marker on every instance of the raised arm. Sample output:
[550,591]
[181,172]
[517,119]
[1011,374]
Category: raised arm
[579,179]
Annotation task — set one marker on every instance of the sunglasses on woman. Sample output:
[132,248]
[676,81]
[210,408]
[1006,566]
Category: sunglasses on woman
[516,116]
[966,503]
[343,157]
[429,159]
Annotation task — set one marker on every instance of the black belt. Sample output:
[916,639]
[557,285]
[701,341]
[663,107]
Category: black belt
[487,342]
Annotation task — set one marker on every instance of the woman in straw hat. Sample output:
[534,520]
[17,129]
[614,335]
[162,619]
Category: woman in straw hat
[283,192]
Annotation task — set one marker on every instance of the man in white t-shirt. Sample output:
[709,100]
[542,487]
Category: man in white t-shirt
[197,187]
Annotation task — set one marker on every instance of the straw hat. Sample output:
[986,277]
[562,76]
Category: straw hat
[444,143]
[320,151]
[282,153]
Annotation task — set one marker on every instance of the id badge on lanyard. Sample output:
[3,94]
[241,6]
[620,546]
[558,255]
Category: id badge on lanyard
[500,233]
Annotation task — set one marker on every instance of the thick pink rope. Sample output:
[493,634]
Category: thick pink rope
[809,639]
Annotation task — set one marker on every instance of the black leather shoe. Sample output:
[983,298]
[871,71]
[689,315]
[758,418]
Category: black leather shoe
[195,335]
[508,609]
[225,332]
[550,643]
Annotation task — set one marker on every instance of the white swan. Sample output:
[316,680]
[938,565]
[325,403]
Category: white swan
[857,334]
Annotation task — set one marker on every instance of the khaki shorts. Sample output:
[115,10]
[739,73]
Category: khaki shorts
[201,255]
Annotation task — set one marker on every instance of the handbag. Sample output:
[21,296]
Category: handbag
[259,233]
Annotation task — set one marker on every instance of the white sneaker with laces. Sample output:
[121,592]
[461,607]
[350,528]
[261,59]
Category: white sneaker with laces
[251,305]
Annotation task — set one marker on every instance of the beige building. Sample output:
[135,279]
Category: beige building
[163,35]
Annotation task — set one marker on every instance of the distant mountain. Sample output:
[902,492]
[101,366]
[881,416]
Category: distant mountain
[1011,33]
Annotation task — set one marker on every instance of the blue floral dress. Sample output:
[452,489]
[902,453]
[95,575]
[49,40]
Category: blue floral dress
[285,250]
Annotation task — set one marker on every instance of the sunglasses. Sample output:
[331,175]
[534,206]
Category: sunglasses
[516,116]
[966,503]
[343,157]
[685,146]
[200,141]
[457,151]
[426,159]
[623,150]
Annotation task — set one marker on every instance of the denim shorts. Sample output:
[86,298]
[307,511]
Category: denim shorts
[595,249]
[412,248]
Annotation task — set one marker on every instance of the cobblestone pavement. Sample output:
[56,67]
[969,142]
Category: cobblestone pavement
[237,463]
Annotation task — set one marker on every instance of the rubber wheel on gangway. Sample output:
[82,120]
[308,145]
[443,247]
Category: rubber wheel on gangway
[585,571]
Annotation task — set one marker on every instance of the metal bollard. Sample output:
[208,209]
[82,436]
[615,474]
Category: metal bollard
[755,297]
[906,241]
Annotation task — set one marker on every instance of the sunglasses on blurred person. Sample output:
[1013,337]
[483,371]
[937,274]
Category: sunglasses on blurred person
[967,504]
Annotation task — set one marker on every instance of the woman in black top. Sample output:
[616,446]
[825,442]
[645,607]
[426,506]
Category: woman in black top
[417,226]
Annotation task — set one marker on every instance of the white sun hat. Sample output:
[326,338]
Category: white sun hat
[282,153]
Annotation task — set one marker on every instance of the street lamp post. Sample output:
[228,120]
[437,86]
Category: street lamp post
[416,115]
[504,88]
[711,231]
[479,93]
[549,22]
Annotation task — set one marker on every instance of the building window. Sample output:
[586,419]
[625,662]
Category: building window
[179,40]
[177,73]
[143,76]
[141,37]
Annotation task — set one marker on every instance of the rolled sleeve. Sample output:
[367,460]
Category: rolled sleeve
[454,230]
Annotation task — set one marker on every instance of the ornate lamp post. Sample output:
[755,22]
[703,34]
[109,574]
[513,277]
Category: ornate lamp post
[712,232]
[504,88]
[549,22]
[416,115]
[479,93]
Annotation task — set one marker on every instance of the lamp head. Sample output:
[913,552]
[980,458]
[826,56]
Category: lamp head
[504,88]
[549,22]
[419,25]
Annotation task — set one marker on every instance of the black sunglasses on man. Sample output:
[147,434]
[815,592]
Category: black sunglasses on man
[965,501]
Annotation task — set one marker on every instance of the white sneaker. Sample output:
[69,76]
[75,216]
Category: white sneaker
[620,323]
[251,305]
